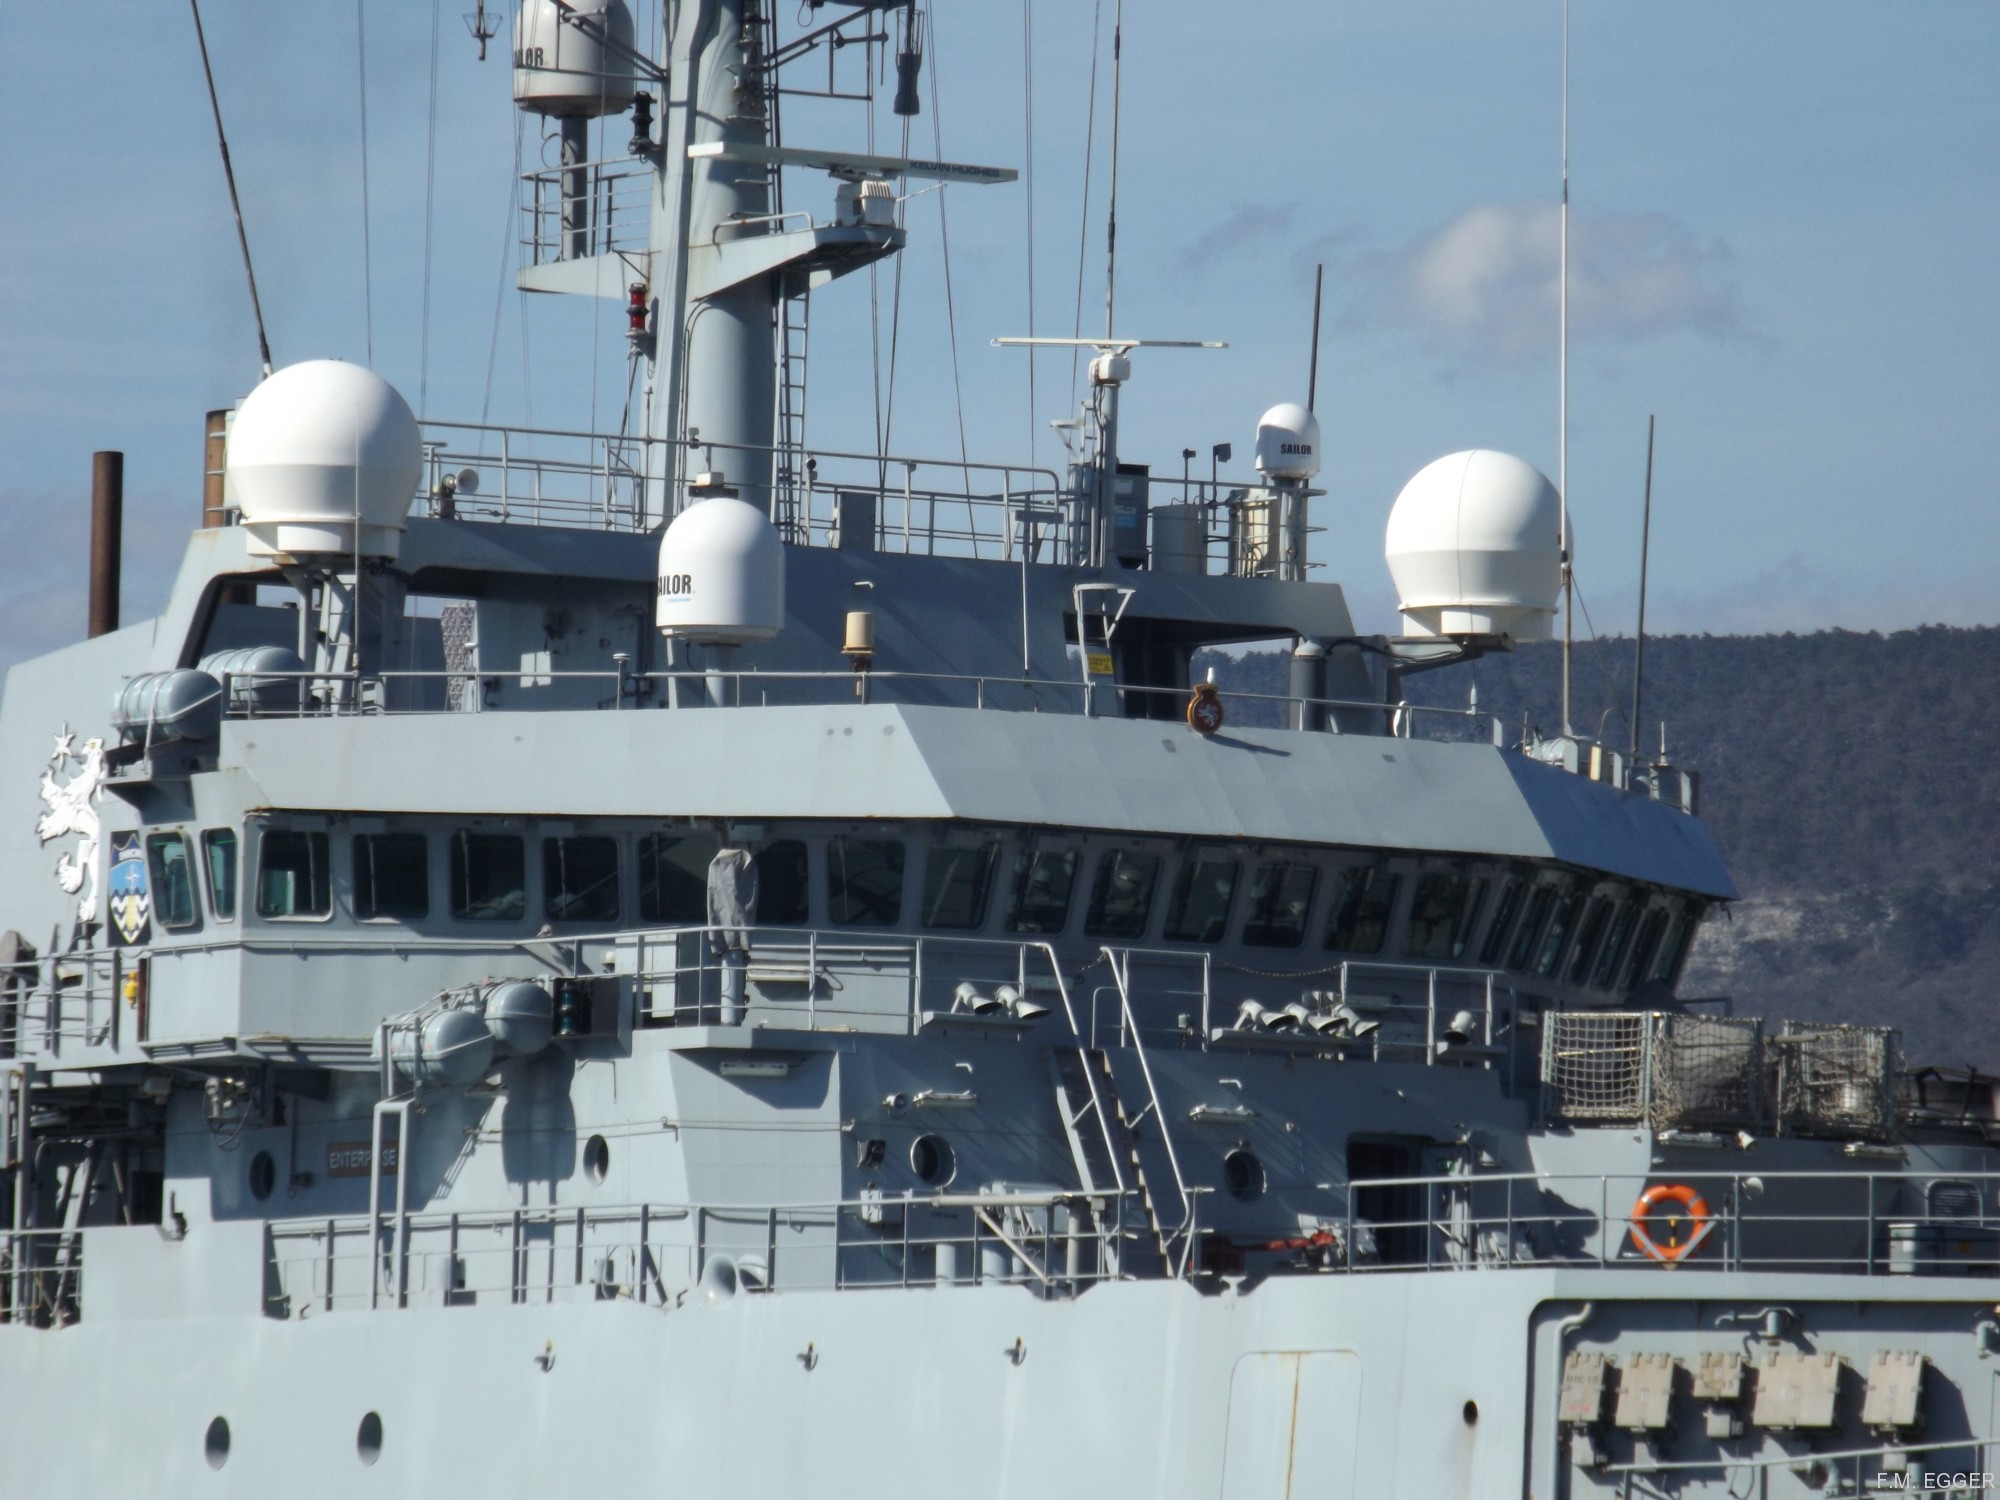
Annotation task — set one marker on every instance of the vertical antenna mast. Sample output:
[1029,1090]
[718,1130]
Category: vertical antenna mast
[1562,381]
[229,175]
[1645,548]
[1111,223]
[1312,380]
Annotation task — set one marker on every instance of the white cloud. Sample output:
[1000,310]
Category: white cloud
[1484,285]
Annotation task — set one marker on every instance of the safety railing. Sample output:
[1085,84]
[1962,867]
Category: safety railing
[85,998]
[41,1277]
[1385,1012]
[896,503]
[335,694]
[1847,1223]
[593,208]
[1054,1244]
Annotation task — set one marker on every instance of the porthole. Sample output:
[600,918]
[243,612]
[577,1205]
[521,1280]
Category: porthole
[596,1158]
[215,1445]
[1471,1413]
[368,1439]
[263,1176]
[933,1160]
[1243,1175]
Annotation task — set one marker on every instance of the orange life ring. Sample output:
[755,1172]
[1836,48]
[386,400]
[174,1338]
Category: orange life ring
[1693,1211]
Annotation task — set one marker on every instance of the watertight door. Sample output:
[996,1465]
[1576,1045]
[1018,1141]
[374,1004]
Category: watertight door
[1294,1419]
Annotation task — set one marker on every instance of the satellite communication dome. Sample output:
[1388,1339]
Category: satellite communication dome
[722,575]
[1288,442]
[320,450]
[1474,548]
[578,66]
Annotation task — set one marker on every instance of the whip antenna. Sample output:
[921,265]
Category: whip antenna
[1562,385]
[1645,548]
[1312,379]
[235,203]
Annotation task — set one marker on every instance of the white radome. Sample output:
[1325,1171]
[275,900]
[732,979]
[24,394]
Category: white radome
[1288,442]
[567,70]
[1474,548]
[722,575]
[321,448]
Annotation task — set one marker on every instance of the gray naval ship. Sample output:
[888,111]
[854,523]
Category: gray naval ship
[676,961]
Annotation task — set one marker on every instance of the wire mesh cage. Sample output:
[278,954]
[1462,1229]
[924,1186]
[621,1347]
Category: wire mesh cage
[1836,1080]
[1665,1070]
[1707,1072]
[1594,1064]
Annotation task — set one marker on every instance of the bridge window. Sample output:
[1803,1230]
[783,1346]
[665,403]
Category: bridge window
[1281,894]
[957,880]
[1199,911]
[673,877]
[218,846]
[292,874]
[784,892]
[392,876]
[1364,896]
[1667,967]
[1121,897]
[1512,890]
[1613,957]
[489,877]
[1529,932]
[864,881]
[1038,900]
[171,863]
[1646,945]
[580,880]
[1443,909]
[1597,917]
[1562,927]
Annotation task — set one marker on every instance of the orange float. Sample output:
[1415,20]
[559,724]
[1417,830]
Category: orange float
[1690,1209]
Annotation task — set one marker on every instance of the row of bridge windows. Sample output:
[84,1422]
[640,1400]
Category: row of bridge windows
[1574,929]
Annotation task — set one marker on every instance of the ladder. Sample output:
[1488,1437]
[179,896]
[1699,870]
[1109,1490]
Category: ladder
[1103,1139]
[794,489]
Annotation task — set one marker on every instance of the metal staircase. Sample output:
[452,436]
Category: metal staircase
[1103,1138]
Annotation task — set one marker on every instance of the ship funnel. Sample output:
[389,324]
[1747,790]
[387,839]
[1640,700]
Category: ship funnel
[1473,547]
[722,575]
[324,459]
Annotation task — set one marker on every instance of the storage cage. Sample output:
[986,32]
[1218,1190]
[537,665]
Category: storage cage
[1664,1070]
[1836,1081]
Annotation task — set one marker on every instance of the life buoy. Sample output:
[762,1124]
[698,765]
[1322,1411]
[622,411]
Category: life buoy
[1692,1210]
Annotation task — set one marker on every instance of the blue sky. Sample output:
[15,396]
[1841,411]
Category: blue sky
[1786,220]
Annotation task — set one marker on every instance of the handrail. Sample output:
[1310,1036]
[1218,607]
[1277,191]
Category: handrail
[1120,974]
[621,684]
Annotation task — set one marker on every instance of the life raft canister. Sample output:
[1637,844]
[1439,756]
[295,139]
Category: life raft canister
[1692,1211]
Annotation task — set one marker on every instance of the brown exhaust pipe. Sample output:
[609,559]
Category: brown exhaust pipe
[107,527]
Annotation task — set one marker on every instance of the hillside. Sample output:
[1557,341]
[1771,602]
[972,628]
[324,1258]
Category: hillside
[1853,783]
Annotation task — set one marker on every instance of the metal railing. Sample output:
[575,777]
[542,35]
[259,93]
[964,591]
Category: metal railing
[898,503]
[345,694]
[1055,1244]
[1848,1223]
[612,214]
[41,1277]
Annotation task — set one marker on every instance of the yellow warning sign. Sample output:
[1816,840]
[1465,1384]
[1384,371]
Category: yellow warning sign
[1097,663]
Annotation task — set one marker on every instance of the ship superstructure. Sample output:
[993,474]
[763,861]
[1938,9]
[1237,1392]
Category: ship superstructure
[684,959]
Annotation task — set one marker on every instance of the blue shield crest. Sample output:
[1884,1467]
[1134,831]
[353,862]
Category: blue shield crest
[129,896]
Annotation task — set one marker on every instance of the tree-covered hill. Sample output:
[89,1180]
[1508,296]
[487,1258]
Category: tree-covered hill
[1852,781]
